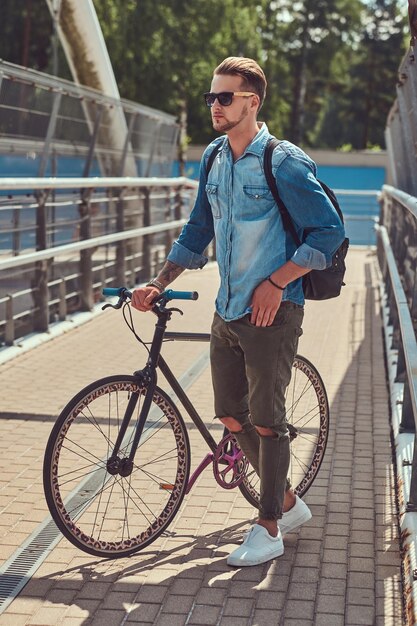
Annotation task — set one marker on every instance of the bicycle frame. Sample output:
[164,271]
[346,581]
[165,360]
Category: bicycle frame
[149,376]
[189,407]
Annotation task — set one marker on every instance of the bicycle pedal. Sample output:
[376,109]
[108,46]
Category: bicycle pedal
[166,486]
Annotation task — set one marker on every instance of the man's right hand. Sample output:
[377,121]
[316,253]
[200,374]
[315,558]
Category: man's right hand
[143,296]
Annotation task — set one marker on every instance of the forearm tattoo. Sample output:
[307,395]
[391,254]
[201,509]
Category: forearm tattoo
[169,273]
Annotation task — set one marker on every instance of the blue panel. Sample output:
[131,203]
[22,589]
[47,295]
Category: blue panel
[192,169]
[352,177]
[336,176]
[359,231]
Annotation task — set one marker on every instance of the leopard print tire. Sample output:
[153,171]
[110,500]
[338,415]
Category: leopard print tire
[107,514]
[307,409]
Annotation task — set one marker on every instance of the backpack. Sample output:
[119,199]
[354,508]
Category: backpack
[317,284]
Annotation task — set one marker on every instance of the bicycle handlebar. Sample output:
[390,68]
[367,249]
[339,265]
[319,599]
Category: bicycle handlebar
[180,295]
[117,291]
[169,294]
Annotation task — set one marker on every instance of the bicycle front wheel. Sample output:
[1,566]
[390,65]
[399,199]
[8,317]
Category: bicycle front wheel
[107,514]
[307,412]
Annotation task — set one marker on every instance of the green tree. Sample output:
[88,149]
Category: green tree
[307,34]
[373,75]
[364,85]
[167,51]
[331,64]
[26,33]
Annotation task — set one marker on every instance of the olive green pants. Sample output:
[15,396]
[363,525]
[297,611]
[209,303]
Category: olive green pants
[251,369]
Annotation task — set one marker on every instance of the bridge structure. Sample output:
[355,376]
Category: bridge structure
[63,238]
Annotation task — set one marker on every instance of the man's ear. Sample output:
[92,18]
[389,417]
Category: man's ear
[255,102]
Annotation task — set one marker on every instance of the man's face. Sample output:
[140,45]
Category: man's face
[224,118]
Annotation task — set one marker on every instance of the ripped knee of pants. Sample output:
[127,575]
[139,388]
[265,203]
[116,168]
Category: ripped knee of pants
[232,424]
[236,426]
[269,433]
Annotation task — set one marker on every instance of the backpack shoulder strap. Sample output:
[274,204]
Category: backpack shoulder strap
[272,184]
[212,156]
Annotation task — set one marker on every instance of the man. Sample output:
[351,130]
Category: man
[259,307]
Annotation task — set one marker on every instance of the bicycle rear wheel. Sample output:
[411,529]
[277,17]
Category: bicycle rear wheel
[307,409]
[106,514]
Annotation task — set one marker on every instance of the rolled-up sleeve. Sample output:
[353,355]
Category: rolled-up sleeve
[316,221]
[306,256]
[180,255]
[198,232]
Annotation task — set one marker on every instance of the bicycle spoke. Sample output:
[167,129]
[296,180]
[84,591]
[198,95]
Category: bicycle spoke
[71,480]
[154,477]
[96,425]
[144,503]
[81,448]
[300,463]
[157,431]
[158,458]
[127,518]
[79,469]
[125,500]
[113,483]
[88,501]
[302,435]
[302,417]
[98,506]
[293,407]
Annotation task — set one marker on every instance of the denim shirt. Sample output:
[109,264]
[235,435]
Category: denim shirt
[235,206]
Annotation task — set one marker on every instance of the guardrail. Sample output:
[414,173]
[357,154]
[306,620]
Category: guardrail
[120,232]
[397,255]
[62,239]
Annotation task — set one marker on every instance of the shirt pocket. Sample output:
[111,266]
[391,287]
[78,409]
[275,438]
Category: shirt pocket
[212,191]
[257,203]
[256,192]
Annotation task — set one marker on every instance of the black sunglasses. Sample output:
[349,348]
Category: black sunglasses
[225,98]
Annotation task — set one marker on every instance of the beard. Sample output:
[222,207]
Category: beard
[225,125]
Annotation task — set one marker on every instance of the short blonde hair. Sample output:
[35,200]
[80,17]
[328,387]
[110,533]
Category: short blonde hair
[252,75]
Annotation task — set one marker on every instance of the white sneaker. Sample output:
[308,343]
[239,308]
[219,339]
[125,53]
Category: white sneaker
[258,546]
[295,517]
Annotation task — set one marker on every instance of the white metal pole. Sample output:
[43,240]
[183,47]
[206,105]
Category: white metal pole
[86,52]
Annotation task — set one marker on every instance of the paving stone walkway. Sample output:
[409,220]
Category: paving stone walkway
[342,568]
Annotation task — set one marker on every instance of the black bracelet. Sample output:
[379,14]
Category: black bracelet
[275,284]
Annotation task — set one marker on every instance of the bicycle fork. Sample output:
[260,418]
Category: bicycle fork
[124,466]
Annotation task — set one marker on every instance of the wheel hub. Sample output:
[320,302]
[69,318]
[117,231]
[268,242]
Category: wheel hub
[126,467]
[116,465]
[113,465]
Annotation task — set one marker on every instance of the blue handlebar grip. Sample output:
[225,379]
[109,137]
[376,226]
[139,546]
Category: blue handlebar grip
[181,295]
[112,291]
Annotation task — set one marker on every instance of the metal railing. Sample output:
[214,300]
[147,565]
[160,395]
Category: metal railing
[124,230]
[63,239]
[397,255]
[50,126]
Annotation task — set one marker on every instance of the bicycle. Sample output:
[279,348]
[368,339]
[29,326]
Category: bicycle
[117,461]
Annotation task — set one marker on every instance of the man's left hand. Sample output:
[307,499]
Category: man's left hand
[266,301]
